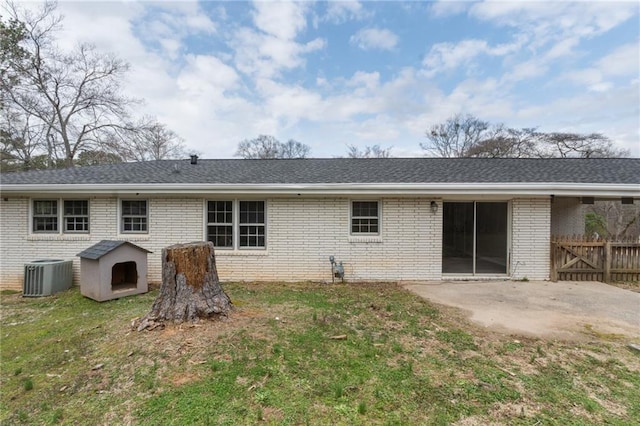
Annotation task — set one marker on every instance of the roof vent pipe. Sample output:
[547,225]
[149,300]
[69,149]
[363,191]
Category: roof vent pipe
[194,159]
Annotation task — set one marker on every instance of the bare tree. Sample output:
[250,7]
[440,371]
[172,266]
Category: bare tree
[265,147]
[613,220]
[66,103]
[368,152]
[456,136]
[468,136]
[294,149]
[506,143]
[149,140]
[89,158]
[591,145]
[20,142]
[12,34]
[19,137]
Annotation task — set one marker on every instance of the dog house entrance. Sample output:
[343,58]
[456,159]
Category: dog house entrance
[124,276]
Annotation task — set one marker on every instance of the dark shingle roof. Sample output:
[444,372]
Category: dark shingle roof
[98,250]
[343,170]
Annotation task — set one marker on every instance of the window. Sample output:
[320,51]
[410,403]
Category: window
[365,217]
[76,216]
[220,223]
[252,224]
[134,216]
[45,216]
[236,224]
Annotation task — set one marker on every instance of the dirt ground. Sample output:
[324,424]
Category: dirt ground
[566,310]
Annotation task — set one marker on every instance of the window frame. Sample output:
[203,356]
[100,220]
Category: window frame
[236,224]
[220,224]
[35,216]
[353,217]
[59,216]
[256,224]
[122,216]
[66,216]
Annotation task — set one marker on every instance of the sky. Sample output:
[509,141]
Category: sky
[333,74]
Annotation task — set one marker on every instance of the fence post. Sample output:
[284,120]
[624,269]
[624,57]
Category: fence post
[554,270]
[607,261]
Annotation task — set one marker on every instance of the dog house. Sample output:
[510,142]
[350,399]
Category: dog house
[113,269]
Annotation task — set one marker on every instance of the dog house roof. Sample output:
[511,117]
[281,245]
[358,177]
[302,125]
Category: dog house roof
[98,250]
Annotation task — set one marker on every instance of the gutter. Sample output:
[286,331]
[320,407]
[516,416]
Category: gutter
[426,189]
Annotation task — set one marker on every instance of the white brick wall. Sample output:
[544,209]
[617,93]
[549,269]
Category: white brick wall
[301,235]
[14,214]
[530,238]
[171,221]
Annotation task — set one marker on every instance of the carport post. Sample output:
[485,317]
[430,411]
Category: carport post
[554,263]
[607,262]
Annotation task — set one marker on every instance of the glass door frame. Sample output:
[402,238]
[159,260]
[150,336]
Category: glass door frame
[474,272]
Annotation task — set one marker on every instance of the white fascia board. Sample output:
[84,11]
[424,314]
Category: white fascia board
[434,189]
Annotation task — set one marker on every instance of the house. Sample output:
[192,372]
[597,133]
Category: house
[385,219]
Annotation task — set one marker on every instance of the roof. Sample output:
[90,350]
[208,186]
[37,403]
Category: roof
[336,173]
[98,250]
[344,170]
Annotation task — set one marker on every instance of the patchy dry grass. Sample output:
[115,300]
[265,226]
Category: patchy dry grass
[70,360]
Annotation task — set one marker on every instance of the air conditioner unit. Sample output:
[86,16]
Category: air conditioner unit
[47,276]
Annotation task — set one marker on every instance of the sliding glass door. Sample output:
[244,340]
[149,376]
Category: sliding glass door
[474,238]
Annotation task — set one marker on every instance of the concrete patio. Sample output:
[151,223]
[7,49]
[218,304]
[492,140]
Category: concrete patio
[563,309]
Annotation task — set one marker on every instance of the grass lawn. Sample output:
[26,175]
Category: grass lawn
[303,353]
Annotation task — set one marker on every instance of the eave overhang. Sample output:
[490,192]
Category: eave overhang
[346,189]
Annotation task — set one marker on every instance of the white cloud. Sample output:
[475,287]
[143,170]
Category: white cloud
[264,55]
[283,20]
[615,113]
[374,38]
[509,12]
[624,60]
[553,30]
[563,48]
[217,96]
[199,22]
[379,130]
[442,9]
[291,103]
[445,56]
[171,47]
[339,12]
[206,76]
[585,77]
[274,48]
[529,69]
[556,20]
[368,80]
[169,24]
[107,25]
[448,56]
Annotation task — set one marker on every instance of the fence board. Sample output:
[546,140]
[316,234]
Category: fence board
[577,258]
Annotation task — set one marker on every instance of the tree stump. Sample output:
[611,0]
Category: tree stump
[190,287]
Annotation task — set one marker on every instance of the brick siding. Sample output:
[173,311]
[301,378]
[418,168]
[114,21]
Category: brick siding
[301,235]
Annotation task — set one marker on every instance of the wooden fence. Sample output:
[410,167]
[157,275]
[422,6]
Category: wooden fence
[575,258]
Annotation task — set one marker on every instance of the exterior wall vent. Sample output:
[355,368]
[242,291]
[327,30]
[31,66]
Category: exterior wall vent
[47,276]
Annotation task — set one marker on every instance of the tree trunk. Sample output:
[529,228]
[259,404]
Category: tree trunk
[190,287]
